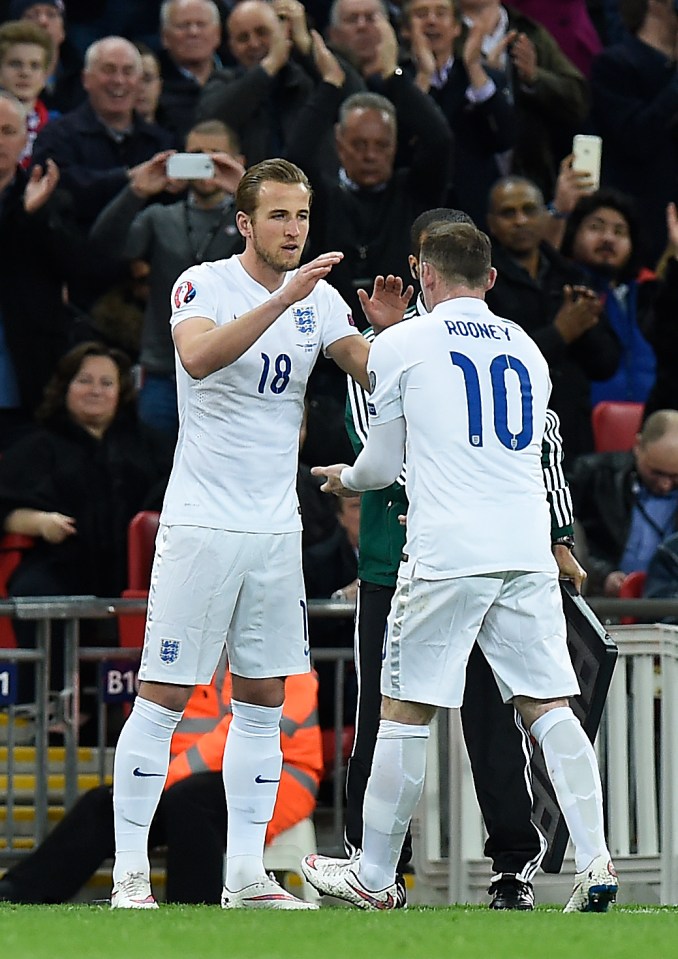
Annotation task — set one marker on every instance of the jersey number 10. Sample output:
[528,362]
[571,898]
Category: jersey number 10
[498,367]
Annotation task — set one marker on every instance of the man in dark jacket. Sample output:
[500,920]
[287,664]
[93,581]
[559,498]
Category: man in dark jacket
[96,145]
[627,503]
[36,249]
[543,293]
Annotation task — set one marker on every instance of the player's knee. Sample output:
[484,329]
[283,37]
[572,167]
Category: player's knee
[166,695]
[549,718]
[402,711]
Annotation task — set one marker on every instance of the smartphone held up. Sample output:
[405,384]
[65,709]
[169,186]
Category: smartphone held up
[190,166]
[587,152]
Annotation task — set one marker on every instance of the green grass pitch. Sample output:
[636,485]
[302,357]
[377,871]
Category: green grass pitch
[185,932]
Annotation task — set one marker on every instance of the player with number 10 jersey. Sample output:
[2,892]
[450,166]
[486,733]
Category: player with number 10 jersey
[474,391]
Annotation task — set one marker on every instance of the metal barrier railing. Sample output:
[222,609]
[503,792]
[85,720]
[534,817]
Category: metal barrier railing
[71,610]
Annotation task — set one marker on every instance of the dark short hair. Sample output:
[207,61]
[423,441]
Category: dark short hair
[268,171]
[217,128]
[454,4]
[461,254]
[613,200]
[513,179]
[440,214]
[53,406]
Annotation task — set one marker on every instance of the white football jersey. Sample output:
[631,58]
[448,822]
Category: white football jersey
[236,458]
[473,390]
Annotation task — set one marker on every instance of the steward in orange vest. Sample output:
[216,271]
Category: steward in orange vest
[198,743]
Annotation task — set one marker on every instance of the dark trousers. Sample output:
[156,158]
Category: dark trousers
[497,747]
[190,821]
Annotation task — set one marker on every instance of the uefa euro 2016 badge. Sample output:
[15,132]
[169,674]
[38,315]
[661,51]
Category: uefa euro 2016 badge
[304,319]
[184,293]
[169,650]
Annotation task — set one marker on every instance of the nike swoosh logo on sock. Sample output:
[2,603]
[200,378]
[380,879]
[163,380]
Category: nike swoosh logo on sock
[138,772]
[260,779]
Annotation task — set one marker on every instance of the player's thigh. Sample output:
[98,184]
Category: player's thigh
[432,627]
[269,630]
[196,578]
[524,638]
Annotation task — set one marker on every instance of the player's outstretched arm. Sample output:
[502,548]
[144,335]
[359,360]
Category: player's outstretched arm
[204,347]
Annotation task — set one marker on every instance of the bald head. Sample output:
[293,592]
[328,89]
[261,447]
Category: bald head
[251,28]
[656,452]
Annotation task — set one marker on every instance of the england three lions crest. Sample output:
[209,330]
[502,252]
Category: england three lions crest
[304,319]
[169,650]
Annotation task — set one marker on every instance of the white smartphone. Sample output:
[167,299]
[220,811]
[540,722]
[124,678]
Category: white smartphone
[587,150]
[190,166]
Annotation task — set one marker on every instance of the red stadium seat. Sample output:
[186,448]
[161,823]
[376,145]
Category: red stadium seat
[615,426]
[141,535]
[12,548]
[632,588]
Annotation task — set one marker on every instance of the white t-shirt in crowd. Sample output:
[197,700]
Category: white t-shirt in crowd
[235,462]
[473,390]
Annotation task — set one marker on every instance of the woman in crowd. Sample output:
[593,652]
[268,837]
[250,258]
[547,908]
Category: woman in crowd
[75,482]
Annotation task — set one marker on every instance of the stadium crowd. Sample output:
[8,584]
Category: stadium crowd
[391,109]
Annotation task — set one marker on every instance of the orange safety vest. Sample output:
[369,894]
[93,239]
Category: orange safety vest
[198,743]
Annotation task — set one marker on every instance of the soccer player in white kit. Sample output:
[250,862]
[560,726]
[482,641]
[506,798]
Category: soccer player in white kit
[464,394]
[227,567]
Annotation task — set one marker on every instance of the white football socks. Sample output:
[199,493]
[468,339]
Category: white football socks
[572,766]
[139,772]
[393,790]
[251,769]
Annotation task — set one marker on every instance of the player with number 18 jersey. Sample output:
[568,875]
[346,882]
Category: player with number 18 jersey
[239,427]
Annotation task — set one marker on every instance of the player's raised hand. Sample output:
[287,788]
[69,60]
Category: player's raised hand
[306,277]
[333,482]
[388,302]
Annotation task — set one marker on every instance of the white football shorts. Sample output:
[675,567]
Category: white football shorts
[516,618]
[211,587]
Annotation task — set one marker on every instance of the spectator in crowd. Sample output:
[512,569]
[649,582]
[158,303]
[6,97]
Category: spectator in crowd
[602,237]
[354,32]
[147,103]
[473,97]
[191,34]
[25,52]
[549,93]
[200,226]
[97,146]
[37,249]
[545,294]
[569,23]
[98,143]
[193,794]
[274,75]
[75,483]
[634,95]
[366,210]
[664,393]
[63,89]
[627,503]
